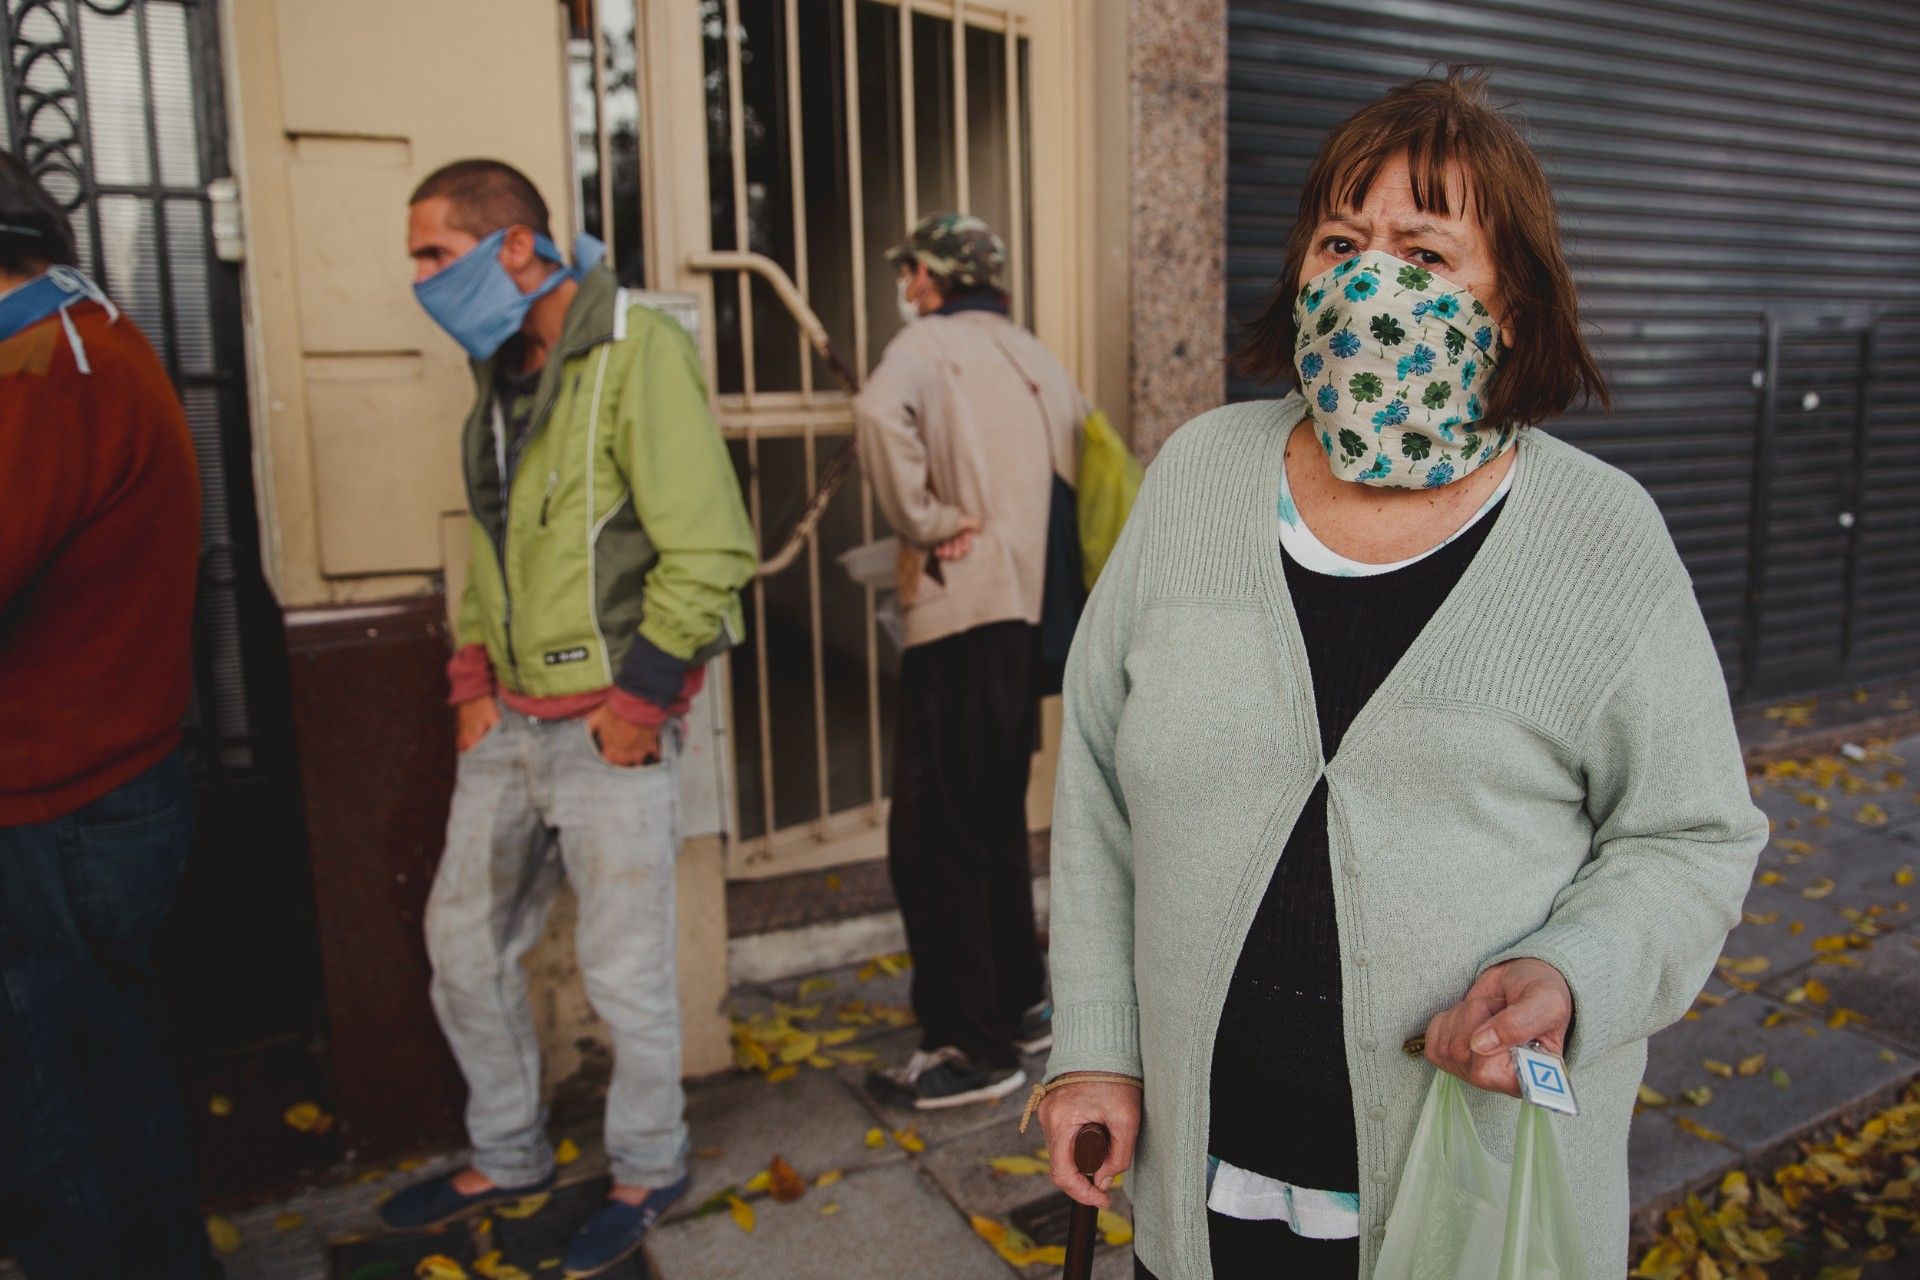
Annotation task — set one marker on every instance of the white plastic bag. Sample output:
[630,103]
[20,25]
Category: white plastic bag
[1460,1214]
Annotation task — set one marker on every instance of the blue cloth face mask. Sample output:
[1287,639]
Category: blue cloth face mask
[477,302]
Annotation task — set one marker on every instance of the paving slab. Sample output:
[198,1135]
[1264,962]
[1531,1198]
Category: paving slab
[739,1123]
[829,990]
[1829,1072]
[892,1223]
[1884,985]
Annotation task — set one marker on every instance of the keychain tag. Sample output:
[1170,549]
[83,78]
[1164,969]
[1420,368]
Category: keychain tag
[1543,1079]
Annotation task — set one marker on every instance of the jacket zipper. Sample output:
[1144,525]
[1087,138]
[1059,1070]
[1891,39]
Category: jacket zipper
[553,478]
[506,514]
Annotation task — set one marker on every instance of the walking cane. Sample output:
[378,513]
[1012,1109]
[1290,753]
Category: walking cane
[1089,1153]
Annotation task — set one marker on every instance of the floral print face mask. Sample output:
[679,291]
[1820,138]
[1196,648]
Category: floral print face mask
[1392,359]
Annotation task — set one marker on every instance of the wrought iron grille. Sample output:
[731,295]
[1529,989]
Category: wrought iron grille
[115,106]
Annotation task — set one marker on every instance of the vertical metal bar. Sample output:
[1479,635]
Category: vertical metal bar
[1016,197]
[797,178]
[821,761]
[763,692]
[856,188]
[83,128]
[162,259]
[737,181]
[1857,493]
[962,179]
[602,149]
[1758,504]
[909,145]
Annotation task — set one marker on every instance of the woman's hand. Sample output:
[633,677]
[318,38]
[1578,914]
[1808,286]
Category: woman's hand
[957,547]
[1066,1109]
[1513,1003]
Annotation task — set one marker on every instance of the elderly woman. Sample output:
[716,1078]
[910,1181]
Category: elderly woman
[1391,715]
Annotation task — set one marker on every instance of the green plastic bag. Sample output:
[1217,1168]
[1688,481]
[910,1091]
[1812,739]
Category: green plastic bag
[1104,489]
[1460,1214]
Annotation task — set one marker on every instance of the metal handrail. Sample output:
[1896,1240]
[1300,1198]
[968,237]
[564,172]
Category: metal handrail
[842,463]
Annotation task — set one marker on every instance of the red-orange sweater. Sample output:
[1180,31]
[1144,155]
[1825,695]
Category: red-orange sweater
[99,541]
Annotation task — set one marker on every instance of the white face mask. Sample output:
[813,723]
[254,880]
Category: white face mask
[909,312]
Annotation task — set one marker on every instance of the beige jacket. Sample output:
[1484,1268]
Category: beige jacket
[968,414]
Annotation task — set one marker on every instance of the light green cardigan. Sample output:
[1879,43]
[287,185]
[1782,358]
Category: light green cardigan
[1550,771]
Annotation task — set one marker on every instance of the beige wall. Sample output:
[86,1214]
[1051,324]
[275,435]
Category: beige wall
[341,107]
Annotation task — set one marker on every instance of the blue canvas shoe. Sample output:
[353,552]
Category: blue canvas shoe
[432,1204]
[610,1236]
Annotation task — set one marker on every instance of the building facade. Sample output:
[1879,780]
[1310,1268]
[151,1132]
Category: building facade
[1740,184]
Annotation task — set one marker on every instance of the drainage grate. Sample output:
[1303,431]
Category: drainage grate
[1045,1219]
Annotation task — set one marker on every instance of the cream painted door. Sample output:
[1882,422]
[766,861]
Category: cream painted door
[814,132]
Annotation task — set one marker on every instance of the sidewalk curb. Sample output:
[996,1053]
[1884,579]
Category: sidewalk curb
[1646,1219]
[1830,738]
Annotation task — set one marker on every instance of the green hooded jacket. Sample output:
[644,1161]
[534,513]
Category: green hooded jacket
[624,521]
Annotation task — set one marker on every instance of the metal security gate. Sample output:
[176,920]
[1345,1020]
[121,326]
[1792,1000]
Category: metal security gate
[1739,186]
[830,126]
[116,106]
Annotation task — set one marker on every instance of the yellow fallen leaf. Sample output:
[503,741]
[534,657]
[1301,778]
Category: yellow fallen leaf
[1757,918]
[1017,1166]
[1699,1095]
[1797,928]
[1689,1125]
[492,1266]
[222,1235]
[288,1221]
[1651,1097]
[1903,877]
[1831,942]
[1888,1055]
[1819,889]
[819,1062]
[786,1071]
[1778,1076]
[760,1181]
[221,1105]
[1770,877]
[815,986]
[867,972]
[909,1139]
[876,1138]
[828,1178]
[438,1266]
[741,1212]
[856,1056]
[839,1035]
[303,1116]
[1746,964]
[798,1049]
[567,1152]
[1777,1017]
[1714,1067]
[1870,815]
[1114,1228]
[1841,1017]
[1754,1065]
[525,1207]
[830,1208]
[834,882]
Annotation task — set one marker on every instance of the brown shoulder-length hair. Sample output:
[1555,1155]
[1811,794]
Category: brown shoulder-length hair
[1434,123]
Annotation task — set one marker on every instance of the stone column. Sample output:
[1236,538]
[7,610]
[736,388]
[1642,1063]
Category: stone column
[1177,91]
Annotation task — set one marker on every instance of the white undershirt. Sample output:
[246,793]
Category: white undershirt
[1307,551]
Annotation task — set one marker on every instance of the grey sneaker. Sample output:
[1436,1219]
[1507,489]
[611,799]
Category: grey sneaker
[1035,1033]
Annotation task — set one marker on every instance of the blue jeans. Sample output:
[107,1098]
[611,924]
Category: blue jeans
[96,1167]
[535,803]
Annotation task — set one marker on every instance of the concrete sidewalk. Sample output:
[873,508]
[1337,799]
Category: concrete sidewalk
[1829,937]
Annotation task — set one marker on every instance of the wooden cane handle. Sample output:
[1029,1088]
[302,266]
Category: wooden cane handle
[1090,1147]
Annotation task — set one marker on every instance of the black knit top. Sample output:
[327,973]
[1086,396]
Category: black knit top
[1282,1105]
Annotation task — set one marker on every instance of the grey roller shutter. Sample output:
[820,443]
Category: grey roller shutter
[1739,181]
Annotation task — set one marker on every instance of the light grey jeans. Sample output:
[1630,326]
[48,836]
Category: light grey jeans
[535,801]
